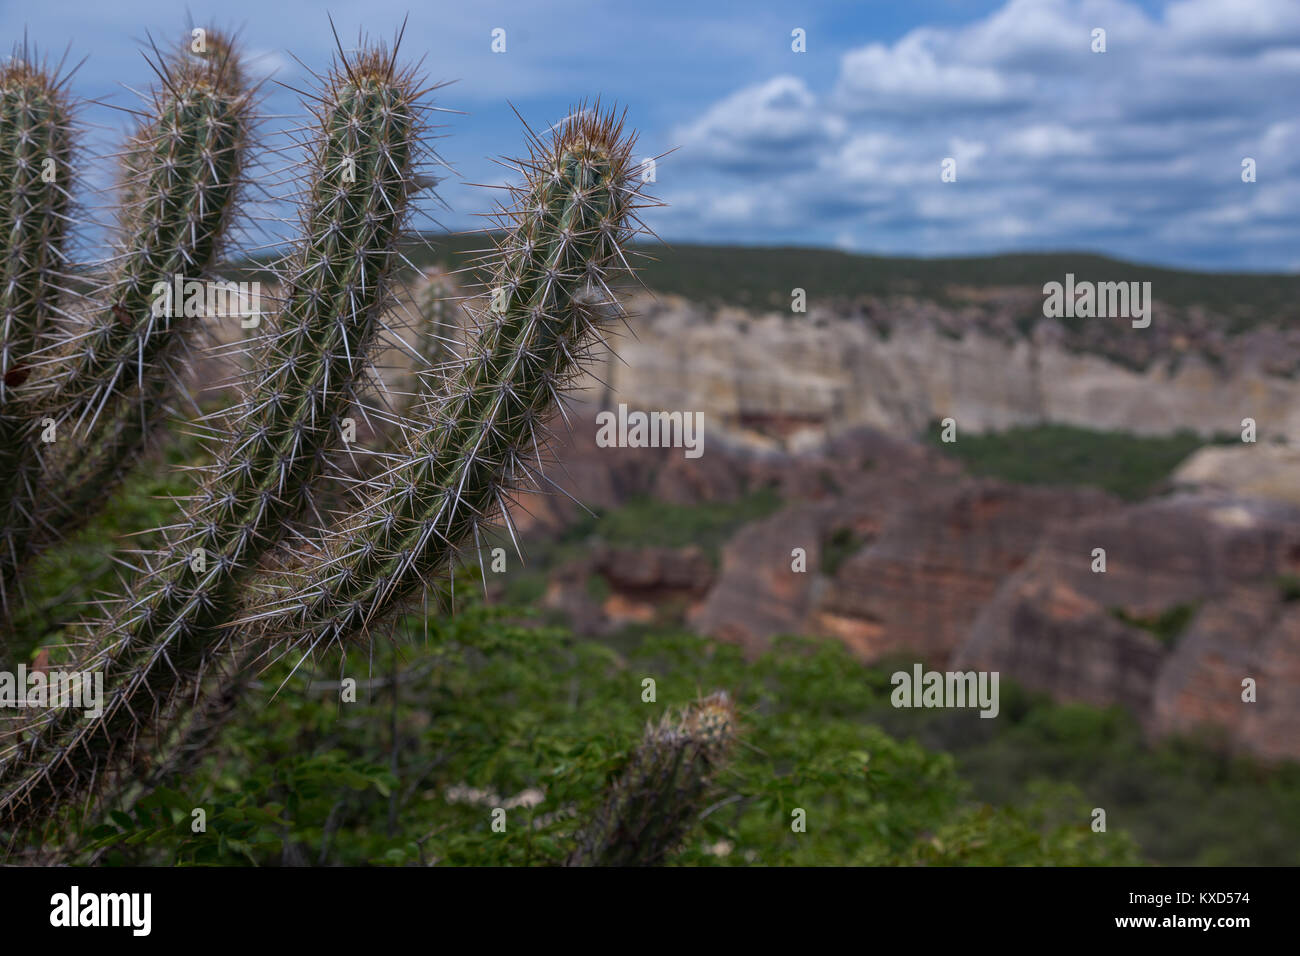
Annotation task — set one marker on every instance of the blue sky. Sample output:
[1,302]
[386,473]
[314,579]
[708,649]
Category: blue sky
[1135,152]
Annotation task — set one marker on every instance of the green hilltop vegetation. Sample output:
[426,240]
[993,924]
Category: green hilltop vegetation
[762,277]
[765,276]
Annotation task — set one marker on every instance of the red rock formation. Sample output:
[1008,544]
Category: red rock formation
[965,573]
[1053,626]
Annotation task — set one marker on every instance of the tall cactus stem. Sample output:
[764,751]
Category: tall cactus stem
[36,170]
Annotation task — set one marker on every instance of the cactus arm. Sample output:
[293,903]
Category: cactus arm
[651,807]
[36,149]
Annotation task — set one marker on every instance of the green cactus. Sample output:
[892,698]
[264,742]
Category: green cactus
[549,296]
[36,150]
[106,384]
[653,804]
[365,167]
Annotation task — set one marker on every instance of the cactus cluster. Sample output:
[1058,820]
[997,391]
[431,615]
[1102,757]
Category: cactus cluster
[107,377]
[254,564]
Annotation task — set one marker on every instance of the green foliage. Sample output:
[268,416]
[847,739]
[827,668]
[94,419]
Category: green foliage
[1186,802]
[62,583]
[597,587]
[1181,802]
[1130,466]
[490,714]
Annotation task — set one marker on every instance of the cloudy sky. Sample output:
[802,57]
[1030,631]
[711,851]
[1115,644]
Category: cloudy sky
[1135,152]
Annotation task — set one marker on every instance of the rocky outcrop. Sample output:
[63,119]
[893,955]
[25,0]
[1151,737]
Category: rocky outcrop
[1249,470]
[758,594]
[903,555]
[928,551]
[1058,626]
[614,587]
[937,560]
[978,575]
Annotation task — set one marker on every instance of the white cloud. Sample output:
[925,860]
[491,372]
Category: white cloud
[908,75]
[1243,24]
[777,123]
[1045,140]
[879,158]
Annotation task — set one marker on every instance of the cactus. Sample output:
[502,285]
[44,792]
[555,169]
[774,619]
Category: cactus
[435,345]
[36,149]
[569,225]
[106,384]
[178,646]
[364,170]
[650,808]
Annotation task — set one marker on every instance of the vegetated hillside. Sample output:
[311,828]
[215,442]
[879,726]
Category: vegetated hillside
[763,277]
[1240,328]
[1130,466]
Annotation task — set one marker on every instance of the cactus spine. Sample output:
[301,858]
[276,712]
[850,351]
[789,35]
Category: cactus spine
[36,146]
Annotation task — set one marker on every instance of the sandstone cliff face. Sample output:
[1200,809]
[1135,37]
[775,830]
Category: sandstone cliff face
[987,576]
[788,380]
[938,560]
[1255,470]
